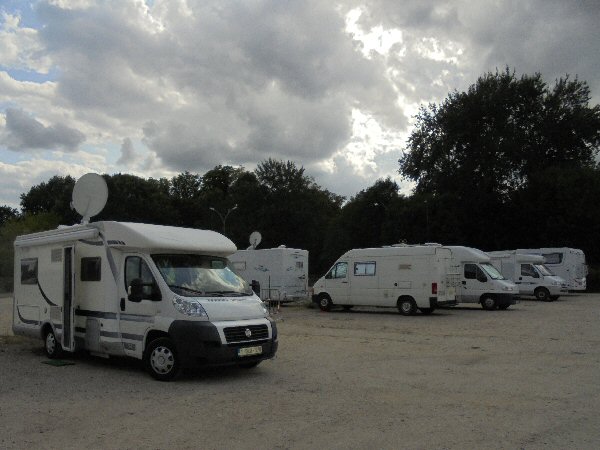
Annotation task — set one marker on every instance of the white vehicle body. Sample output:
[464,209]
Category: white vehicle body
[111,288]
[567,263]
[406,277]
[282,272]
[529,274]
[481,282]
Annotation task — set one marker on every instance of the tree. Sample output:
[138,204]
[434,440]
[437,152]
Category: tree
[53,196]
[7,213]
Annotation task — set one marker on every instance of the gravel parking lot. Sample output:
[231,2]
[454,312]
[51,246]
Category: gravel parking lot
[525,378]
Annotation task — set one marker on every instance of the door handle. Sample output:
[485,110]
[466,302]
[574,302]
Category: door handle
[122,304]
[344,282]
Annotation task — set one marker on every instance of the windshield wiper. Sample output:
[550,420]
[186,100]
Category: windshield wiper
[230,293]
[195,291]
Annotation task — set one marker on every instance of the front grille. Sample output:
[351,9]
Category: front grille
[239,334]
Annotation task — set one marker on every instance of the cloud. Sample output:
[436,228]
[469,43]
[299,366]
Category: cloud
[22,133]
[128,153]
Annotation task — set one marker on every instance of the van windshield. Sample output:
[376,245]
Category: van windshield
[543,270]
[199,275]
[492,271]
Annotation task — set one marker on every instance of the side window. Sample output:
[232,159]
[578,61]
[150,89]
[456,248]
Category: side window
[29,271]
[470,271]
[136,267]
[480,275]
[364,268]
[91,269]
[340,270]
[527,270]
[553,258]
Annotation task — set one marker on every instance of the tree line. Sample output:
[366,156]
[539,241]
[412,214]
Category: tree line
[509,163]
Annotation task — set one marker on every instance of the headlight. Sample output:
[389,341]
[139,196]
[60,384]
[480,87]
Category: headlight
[189,307]
[264,308]
[556,283]
[507,288]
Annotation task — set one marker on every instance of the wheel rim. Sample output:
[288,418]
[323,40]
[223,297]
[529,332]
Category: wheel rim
[50,343]
[324,302]
[541,295]
[162,360]
[406,307]
[489,302]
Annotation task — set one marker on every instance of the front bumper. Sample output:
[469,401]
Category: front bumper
[199,344]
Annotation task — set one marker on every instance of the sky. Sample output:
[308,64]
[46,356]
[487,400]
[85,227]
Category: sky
[158,87]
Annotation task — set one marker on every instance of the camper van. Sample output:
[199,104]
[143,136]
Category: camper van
[161,294]
[567,263]
[409,278]
[481,282]
[282,272]
[529,274]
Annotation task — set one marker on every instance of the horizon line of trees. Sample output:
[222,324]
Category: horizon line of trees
[510,163]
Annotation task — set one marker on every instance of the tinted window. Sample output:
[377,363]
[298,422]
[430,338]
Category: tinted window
[470,271]
[527,270]
[136,267]
[91,269]
[553,258]
[29,271]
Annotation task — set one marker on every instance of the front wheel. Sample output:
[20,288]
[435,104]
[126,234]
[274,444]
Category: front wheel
[51,345]
[161,360]
[407,306]
[543,295]
[488,303]
[325,303]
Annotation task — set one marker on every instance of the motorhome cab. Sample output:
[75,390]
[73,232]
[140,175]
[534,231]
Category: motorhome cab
[529,274]
[481,282]
[410,278]
[567,263]
[281,272]
[161,294]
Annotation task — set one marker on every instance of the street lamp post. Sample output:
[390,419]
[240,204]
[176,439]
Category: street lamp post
[224,217]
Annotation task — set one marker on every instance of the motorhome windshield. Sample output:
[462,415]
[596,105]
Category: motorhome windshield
[542,269]
[198,275]
[492,271]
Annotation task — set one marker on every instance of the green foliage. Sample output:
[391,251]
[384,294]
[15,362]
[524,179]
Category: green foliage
[53,196]
[7,213]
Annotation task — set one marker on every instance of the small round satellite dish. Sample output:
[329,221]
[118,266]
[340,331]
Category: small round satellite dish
[255,239]
[89,196]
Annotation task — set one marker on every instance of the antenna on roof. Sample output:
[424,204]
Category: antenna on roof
[89,196]
[255,238]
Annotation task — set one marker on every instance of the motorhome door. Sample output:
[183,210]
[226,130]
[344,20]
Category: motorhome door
[68,338]
[474,283]
[337,283]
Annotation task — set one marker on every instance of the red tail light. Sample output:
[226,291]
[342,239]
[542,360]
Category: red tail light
[434,288]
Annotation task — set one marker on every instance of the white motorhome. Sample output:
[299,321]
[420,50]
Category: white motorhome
[161,294]
[282,272]
[409,278]
[567,263]
[481,282]
[529,274]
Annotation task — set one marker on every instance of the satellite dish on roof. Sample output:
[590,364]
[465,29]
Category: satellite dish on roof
[89,196]
[255,238]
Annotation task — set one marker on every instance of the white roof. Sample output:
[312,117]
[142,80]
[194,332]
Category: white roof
[519,257]
[403,250]
[468,254]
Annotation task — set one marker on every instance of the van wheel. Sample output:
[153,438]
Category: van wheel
[51,345]
[407,306]
[543,294]
[161,360]
[325,303]
[426,311]
[488,303]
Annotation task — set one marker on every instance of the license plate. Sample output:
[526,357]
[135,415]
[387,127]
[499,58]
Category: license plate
[249,351]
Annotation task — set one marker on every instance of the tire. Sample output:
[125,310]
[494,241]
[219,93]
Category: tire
[543,295]
[504,306]
[489,303]
[52,347]
[426,311]
[407,306]
[161,360]
[249,365]
[325,302]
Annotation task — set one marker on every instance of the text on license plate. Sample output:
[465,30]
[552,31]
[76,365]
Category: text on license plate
[249,351]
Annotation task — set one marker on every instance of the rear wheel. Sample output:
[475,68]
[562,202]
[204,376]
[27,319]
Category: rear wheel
[488,303]
[543,294]
[51,345]
[325,302]
[161,360]
[407,306]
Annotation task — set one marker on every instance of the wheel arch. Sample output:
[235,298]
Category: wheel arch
[154,334]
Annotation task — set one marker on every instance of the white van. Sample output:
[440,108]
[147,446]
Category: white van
[406,277]
[282,272]
[481,282]
[157,293]
[529,274]
[567,263]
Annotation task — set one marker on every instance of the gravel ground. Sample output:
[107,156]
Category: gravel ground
[525,378]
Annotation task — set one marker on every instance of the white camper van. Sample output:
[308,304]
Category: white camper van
[157,293]
[282,272]
[481,282]
[529,274]
[567,263]
[406,277]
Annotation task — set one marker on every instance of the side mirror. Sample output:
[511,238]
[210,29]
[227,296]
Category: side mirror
[136,290]
[255,287]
